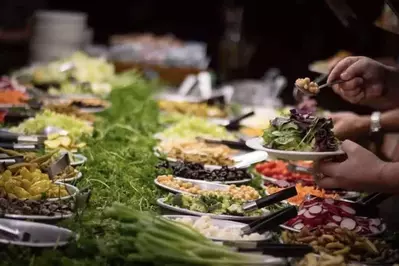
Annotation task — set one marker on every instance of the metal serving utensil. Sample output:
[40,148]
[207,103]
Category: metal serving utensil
[54,130]
[66,67]
[57,167]
[14,234]
[299,92]
[32,234]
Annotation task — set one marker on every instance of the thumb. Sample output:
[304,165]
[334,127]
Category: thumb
[355,70]
[341,67]
[349,147]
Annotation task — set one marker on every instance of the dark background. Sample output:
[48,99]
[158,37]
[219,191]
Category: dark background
[287,34]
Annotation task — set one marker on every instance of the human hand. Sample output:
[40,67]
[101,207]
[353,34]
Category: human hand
[365,78]
[361,171]
[334,61]
[348,125]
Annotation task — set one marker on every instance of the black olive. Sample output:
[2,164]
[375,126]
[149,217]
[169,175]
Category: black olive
[3,202]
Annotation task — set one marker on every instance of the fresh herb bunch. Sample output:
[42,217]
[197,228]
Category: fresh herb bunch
[301,131]
[120,168]
[146,239]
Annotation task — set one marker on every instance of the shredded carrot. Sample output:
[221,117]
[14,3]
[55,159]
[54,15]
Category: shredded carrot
[12,97]
[302,192]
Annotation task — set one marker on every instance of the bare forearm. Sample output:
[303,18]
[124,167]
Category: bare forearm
[392,85]
[390,177]
[389,122]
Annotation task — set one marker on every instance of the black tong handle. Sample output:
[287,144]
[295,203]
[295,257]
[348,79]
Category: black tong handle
[9,137]
[271,221]
[237,145]
[374,199]
[12,160]
[234,123]
[215,100]
[272,199]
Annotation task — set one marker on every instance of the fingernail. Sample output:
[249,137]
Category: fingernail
[344,76]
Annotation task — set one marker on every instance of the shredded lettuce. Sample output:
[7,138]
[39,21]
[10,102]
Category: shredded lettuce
[192,127]
[76,128]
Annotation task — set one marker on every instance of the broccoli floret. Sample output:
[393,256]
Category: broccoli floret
[235,209]
[181,200]
[198,207]
[216,208]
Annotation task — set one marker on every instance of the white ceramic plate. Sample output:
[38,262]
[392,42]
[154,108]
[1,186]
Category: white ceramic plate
[232,182]
[78,159]
[258,144]
[44,218]
[204,185]
[73,191]
[242,160]
[161,202]
[71,179]
[219,223]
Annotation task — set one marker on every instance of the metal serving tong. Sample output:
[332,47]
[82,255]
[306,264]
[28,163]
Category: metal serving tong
[234,124]
[57,167]
[299,169]
[8,160]
[237,145]
[271,221]
[368,206]
[271,199]
[7,137]
[20,146]
[374,199]
[13,234]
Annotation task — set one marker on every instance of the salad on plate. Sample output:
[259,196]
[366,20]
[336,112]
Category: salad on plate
[301,132]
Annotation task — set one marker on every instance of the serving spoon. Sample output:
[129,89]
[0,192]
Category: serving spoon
[299,92]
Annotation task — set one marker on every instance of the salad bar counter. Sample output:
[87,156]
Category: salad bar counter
[126,177]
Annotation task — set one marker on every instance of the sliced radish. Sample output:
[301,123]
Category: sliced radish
[374,229]
[337,218]
[301,212]
[334,210]
[332,225]
[316,221]
[299,226]
[329,201]
[308,215]
[348,223]
[358,229]
[324,211]
[315,209]
[298,221]
[363,221]
[294,221]
[310,204]
[348,209]
[375,222]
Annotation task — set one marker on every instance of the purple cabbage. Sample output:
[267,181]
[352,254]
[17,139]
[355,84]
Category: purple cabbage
[324,139]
